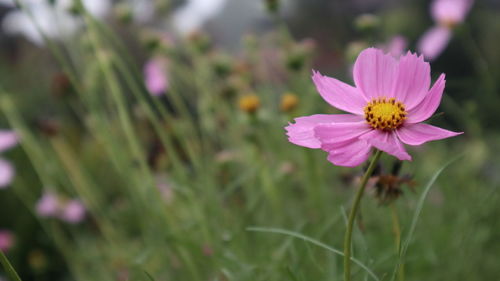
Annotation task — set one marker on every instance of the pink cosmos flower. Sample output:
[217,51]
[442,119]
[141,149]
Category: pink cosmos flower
[387,106]
[8,139]
[155,72]
[73,212]
[6,240]
[48,205]
[450,12]
[447,14]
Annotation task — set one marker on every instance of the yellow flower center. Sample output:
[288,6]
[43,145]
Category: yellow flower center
[385,114]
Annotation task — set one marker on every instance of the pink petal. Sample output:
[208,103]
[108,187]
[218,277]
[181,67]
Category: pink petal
[6,173]
[433,42]
[339,94]
[340,132]
[428,106]
[374,73]
[302,132]
[413,80]
[450,11]
[156,76]
[417,134]
[8,139]
[387,142]
[348,154]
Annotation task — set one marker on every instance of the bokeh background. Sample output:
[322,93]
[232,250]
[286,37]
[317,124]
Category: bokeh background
[151,142]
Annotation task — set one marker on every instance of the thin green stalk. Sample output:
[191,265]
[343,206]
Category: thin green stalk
[396,228]
[352,215]
[11,272]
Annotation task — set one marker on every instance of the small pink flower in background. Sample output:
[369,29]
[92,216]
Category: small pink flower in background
[51,205]
[450,12]
[434,41]
[73,212]
[48,205]
[6,240]
[446,14]
[397,46]
[8,139]
[387,106]
[156,76]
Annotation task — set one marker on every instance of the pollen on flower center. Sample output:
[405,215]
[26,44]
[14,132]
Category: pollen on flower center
[385,114]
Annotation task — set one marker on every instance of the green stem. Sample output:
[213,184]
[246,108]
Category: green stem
[352,215]
[11,272]
[396,227]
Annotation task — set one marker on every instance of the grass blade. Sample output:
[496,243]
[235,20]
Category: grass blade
[416,216]
[312,241]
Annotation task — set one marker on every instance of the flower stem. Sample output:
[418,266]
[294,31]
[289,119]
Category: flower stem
[11,272]
[352,215]
[397,236]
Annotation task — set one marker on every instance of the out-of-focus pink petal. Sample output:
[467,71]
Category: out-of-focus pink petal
[448,12]
[428,106]
[413,80]
[156,76]
[339,94]
[73,212]
[350,153]
[340,132]
[387,142]
[302,131]
[417,134]
[374,73]
[6,173]
[8,139]
[433,42]
[6,240]
[48,205]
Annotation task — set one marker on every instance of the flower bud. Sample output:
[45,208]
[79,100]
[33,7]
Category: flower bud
[272,6]
[289,102]
[222,65]
[123,13]
[366,22]
[61,85]
[249,103]
[200,41]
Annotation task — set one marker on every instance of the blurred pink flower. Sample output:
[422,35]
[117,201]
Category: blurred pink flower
[156,76]
[387,106]
[48,205]
[434,41]
[450,12]
[73,212]
[397,46]
[446,14]
[8,139]
[51,205]
[6,240]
